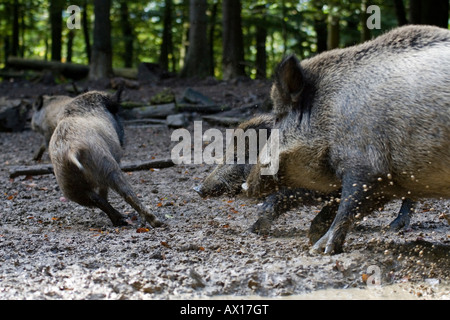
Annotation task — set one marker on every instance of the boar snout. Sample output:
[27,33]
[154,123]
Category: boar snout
[199,190]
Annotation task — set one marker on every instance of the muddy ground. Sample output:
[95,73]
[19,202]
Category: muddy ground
[54,249]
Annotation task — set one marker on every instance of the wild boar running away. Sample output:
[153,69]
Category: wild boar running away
[85,150]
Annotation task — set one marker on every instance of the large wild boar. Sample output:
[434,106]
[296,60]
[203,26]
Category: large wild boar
[228,179]
[370,120]
[85,150]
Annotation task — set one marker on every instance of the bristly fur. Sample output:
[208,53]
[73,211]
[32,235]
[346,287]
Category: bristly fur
[376,110]
[85,150]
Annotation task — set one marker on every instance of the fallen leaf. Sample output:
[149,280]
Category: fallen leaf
[165,244]
[201,248]
[230,201]
[364,277]
[226,226]
[142,230]
[159,204]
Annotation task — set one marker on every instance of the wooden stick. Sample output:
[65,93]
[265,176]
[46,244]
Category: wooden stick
[41,169]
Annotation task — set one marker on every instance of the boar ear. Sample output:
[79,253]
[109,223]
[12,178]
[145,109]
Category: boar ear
[112,106]
[37,105]
[118,95]
[289,79]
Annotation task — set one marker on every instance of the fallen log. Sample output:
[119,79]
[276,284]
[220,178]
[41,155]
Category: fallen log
[42,169]
[69,70]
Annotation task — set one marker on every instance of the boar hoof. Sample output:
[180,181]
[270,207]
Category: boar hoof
[261,226]
[401,222]
[199,190]
[328,244]
[121,222]
[155,223]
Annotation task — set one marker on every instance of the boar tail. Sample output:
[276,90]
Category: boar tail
[73,157]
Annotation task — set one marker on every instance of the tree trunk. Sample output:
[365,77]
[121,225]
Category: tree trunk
[101,58]
[70,36]
[85,23]
[197,58]
[166,44]
[127,33]
[400,12]
[233,46]
[212,28]
[333,32]
[284,26]
[320,26]
[261,38]
[15,29]
[365,31]
[429,12]
[56,7]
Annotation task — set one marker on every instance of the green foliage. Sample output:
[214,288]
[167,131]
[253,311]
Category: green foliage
[291,28]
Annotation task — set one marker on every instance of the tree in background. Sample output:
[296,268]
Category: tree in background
[429,12]
[101,56]
[167,43]
[197,62]
[56,8]
[15,29]
[85,22]
[127,34]
[242,37]
[232,39]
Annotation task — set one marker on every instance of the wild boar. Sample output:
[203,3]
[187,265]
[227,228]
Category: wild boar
[371,121]
[47,111]
[85,150]
[228,179]
[46,115]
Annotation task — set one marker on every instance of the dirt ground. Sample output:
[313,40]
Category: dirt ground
[54,249]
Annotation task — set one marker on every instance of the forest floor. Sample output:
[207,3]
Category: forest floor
[51,248]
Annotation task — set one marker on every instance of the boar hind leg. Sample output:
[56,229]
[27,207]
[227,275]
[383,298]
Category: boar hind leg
[37,156]
[123,188]
[100,202]
[404,216]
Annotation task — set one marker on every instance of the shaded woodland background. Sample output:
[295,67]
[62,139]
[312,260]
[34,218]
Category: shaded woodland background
[197,38]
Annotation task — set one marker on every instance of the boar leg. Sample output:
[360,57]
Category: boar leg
[355,194]
[322,222]
[38,153]
[277,204]
[100,202]
[123,188]
[404,216]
